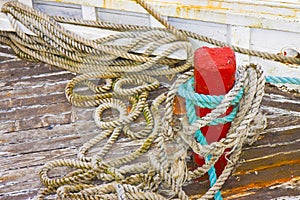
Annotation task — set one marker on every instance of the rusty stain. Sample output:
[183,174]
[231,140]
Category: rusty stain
[184,10]
[287,162]
[188,10]
[255,185]
[129,109]
[178,9]
[179,105]
[259,24]
[239,195]
[8,178]
[8,94]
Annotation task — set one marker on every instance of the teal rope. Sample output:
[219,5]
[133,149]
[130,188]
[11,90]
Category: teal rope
[193,99]
[202,140]
[282,80]
[204,101]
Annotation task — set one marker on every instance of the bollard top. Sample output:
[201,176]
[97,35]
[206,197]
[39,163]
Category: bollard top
[223,57]
[214,70]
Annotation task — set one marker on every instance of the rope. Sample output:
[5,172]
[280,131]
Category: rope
[282,80]
[124,27]
[118,78]
[202,140]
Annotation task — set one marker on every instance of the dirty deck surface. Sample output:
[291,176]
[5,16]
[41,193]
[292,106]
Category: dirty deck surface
[37,125]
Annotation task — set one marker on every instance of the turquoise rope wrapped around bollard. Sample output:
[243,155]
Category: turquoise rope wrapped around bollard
[206,101]
[193,99]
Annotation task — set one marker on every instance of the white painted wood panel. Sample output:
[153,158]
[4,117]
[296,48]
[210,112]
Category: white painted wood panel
[27,2]
[89,13]
[269,14]
[61,9]
[123,17]
[210,29]
[273,40]
[240,36]
[155,23]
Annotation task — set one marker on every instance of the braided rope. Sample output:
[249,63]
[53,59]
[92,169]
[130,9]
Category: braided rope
[282,80]
[128,79]
[191,112]
[124,27]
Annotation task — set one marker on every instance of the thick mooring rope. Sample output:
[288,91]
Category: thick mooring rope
[125,27]
[128,79]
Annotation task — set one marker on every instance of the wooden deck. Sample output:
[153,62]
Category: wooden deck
[37,124]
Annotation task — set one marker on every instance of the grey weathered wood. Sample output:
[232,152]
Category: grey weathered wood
[37,125]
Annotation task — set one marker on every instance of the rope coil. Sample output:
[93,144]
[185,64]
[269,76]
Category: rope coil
[129,79]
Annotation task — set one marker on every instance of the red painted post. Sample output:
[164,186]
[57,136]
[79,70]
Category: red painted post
[214,75]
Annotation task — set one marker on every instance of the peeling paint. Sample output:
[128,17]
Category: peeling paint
[271,14]
[186,8]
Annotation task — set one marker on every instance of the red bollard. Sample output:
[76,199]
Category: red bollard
[214,75]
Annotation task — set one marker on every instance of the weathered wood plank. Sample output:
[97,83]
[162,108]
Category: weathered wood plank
[49,132]
[28,88]
[29,156]
[33,136]
[40,110]
[25,70]
[262,167]
[35,122]
[21,181]
[9,104]
[28,91]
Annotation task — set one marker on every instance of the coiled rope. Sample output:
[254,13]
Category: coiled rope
[128,79]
